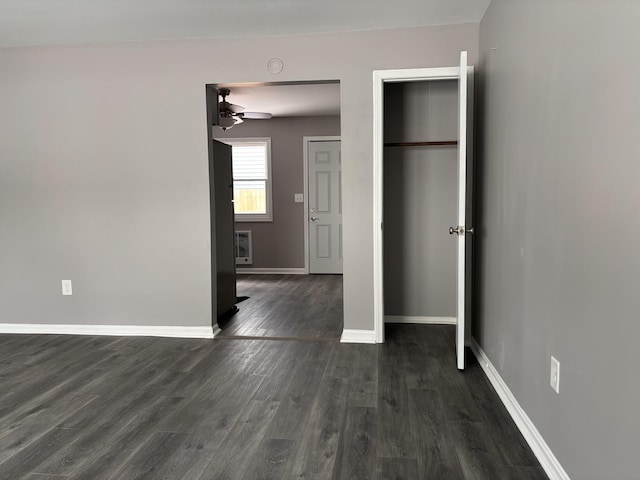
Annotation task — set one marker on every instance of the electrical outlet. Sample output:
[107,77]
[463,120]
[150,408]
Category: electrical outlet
[555,375]
[66,287]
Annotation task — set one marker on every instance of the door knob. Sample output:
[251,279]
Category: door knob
[313,219]
[460,230]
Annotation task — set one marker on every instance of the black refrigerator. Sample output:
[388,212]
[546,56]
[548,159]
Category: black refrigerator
[223,260]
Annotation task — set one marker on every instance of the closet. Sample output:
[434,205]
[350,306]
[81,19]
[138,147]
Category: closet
[423,198]
[420,201]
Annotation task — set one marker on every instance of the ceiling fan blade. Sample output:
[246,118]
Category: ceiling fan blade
[230,107]
[256,115]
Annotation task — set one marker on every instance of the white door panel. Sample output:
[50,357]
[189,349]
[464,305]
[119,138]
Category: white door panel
[461,282]
[325,207]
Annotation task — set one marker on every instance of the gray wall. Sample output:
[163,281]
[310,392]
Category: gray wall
[280,244]
[103,167]
[559,222]
[420,185]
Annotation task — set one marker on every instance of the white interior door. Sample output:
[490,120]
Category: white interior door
[325,206]
[463,260]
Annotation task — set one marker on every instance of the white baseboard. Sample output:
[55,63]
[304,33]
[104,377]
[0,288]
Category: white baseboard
[541,450]
[421,319]
[114,330]
[358,336]
[216,330]
[271,271]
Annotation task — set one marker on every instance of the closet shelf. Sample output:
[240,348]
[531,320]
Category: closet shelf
[421,144]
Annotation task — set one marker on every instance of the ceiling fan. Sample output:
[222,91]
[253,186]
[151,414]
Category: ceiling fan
[231,114]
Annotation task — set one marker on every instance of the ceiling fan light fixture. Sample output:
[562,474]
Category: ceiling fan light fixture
[226,122]
[230,114]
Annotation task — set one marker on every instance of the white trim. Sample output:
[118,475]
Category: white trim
[378,191]
[358,336]
[541,450]
[216,330]
[380,77]
[418,74]
[430,320]
[305,168]
[461,240]
[271,271]
[112,330]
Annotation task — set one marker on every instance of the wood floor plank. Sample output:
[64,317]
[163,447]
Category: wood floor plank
[35,453]
[119,448]
[357,448]
[479,457]
[340,363]
[397,469]
[394,431]
[525,473]
[46,400]
[277,381]
[105,408]
[216,365]
[431,432]
[151,458]
[216,418]
[423,367]
[460,405]
[294,408]
[241,444]
[39,476]
[499,424]
[363,381]
[15,440]
[272,461]
[317,449]
[41,383]
[92,442]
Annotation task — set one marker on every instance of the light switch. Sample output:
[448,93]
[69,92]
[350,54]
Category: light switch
[66,287]
[298,197]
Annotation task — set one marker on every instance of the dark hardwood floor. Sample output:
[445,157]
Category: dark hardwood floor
[287,306]
[130,408]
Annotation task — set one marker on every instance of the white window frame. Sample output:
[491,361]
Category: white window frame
[256,217]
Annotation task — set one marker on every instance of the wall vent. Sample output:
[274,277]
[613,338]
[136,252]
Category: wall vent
[243,247]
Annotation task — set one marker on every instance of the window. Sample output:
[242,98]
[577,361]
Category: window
[251,178]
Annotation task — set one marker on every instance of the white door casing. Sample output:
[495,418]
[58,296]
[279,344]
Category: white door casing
[324,205]
[380,77]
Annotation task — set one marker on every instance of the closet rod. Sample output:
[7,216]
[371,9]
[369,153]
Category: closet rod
[421,144]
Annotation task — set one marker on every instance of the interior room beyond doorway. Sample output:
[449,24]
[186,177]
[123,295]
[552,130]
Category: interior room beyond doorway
[287,306]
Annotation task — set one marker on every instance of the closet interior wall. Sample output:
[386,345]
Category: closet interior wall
[420,199]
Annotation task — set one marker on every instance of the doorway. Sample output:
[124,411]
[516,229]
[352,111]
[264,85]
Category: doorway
[278,116]
[462,75]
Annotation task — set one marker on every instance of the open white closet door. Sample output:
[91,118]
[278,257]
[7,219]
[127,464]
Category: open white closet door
[464,253]
[463,74]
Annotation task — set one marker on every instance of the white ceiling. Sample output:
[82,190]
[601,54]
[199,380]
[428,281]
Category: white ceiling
[288,100]
[59,22]
[51,22]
